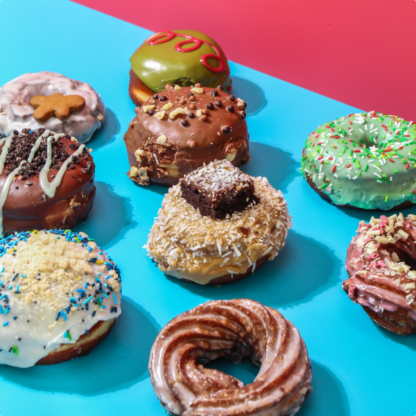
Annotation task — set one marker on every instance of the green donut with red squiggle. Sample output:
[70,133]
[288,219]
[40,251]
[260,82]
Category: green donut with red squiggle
[365,160]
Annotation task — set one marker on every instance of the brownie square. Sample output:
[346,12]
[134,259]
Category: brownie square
[218,189]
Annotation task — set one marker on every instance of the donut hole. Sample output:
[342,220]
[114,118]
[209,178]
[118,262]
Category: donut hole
[406,257]
[242,368]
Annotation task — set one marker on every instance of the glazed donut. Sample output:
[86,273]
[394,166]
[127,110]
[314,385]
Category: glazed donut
[364,160]
[218,225]
[381,279]
[46,181]
[17,110]
[181,129]
[182,57]
[59,297]
[233,329]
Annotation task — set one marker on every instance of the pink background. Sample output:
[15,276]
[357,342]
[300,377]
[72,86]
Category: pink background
[362,53]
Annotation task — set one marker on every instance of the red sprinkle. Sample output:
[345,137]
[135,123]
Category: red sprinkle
[407,166]
[333,169]
[348,166]
[391,160]
[357,151]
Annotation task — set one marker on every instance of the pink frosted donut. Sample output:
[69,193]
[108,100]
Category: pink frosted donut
[16,113]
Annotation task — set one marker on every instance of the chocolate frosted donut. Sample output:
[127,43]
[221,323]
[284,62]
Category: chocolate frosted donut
[46,181]
[183,57]
[60,295]
[382,279]
[233,329]
[218,226]
[180,129]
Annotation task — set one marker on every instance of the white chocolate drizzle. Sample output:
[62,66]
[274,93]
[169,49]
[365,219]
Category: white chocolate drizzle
[48,187]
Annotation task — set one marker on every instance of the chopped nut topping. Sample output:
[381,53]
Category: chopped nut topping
[178,111]
[162,139]
[196,90]
[146,108]
[160,114]
[167,106]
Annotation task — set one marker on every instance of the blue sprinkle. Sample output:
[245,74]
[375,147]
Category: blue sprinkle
[65,335]
[10,287]
[93,314]
[80,290]
[98,280]
[64,315]
[15,276]
[6,323]
[73,300]
[6,311]
[59,314]
[87,332]
[115,299]
[87,300]
[103,306]
[23,275]
[86,285]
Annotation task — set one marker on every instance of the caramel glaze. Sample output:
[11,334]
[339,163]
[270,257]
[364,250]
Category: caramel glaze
[233,329]
[28,208]
[231,278]
[83,346]
[375,290]
[191,141]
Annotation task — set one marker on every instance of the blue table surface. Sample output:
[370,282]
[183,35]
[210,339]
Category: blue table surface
[358,369]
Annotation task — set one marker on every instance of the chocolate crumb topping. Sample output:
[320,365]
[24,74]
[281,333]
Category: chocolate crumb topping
[22,145]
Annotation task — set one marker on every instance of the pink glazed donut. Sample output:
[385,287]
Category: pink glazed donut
[16,113]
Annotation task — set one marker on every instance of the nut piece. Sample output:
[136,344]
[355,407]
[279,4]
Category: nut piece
[177,87]
[231,156]
[162,139]
[196,90]
[167,106]
[160,114]
[134,171]
[138,153]
[241,103]
[178,111]
[199,113]
[146,108]
[143,173]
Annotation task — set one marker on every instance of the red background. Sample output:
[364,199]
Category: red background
[360,52]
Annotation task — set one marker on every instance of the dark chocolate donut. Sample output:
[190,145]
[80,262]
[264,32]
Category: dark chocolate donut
[180,129]
[34,195]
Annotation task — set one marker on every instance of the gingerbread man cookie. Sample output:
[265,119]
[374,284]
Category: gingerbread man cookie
[56,105]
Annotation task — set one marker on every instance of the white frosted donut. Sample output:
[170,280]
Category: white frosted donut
[16,113]
[55,287]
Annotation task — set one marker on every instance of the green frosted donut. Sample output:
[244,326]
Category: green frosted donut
[366,160]
[183,57]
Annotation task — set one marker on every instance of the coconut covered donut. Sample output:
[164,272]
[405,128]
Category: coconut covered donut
[218,225]
[364,160]
[52,101]
[59,297]
[46,181]
[382,279]
[233,329]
